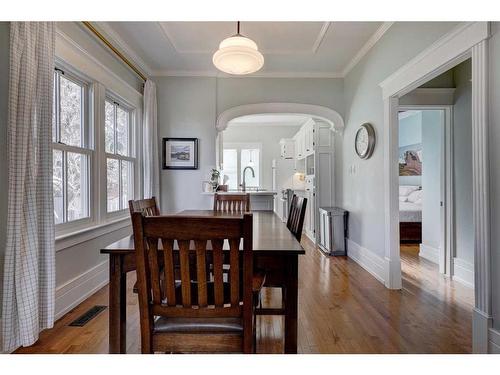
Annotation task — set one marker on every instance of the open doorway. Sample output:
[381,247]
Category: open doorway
[435,189]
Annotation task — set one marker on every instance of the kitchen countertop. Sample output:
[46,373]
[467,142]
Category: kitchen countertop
[251,192]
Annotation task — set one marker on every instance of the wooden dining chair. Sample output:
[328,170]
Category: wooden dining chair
[187,316]
[232,202]
[296,216]
[147,207]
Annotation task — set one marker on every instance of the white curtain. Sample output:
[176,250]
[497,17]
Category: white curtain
[150,150]
[29,267]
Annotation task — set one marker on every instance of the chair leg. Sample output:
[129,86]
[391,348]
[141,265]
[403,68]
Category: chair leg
[283,299]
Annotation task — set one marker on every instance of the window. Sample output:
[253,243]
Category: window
[119,160]
[236,158]
[71,151]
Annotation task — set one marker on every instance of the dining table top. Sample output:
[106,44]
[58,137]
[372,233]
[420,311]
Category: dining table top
[270,234]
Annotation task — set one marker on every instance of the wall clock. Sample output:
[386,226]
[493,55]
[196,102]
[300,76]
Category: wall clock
[364,142]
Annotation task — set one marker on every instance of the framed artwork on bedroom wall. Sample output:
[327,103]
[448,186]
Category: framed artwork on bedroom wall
[180,153]
[410,160]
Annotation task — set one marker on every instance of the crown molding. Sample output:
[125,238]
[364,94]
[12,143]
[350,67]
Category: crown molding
[321,36]
[118,42]
[215,74]
[367,47]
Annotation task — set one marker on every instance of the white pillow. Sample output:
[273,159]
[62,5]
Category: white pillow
[405,190]
[415,196]
[403,199]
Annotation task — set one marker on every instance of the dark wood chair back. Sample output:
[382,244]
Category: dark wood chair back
[232,202]
[147,207]
[296,216]
[159,291]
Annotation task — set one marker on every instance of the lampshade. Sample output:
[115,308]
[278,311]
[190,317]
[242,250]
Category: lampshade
[238,55]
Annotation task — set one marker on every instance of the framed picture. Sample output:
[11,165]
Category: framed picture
[180,153]
[410,160]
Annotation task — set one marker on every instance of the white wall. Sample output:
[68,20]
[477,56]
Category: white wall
[269,136]
[432,143]
[462,139]
[362,193]
[188,107]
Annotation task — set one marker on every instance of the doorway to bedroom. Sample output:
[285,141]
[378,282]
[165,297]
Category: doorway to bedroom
[435,190]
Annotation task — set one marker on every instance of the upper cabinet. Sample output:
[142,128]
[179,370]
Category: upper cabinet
[287,147]
[304,140]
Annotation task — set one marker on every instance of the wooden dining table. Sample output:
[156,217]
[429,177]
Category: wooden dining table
[276,251]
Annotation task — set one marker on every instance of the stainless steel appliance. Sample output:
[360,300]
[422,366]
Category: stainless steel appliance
[333,230]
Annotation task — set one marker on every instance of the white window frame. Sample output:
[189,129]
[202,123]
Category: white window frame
[87,149]
[238,146]
[132,156]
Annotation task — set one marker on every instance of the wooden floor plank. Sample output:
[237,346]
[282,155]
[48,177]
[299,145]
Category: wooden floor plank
[342,309]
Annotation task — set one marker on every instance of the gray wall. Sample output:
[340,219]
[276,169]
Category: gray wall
[462,171]
[188,107]
[494,150]
[363,193]
[4,92]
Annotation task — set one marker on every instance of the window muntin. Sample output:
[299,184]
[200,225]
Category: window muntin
[71,152]
[120,165]
[236,157]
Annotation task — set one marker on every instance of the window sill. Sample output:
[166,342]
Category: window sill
[67,240]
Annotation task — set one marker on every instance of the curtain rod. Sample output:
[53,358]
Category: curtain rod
[112,48]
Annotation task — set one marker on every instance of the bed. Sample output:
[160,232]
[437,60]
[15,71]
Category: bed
[410,213]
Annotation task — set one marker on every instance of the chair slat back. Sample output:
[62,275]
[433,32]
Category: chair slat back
[148,207]
[232,202]
[296,216]
[166,243]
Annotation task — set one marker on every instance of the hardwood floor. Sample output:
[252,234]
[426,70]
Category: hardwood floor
[342,309]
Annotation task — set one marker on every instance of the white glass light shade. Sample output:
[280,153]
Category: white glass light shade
[238,55]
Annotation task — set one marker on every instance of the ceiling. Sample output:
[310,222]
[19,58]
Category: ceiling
[309,49]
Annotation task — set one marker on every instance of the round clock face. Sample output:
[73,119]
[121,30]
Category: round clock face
[365,141]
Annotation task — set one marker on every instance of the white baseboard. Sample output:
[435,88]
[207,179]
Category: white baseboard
[75,291]
[493,341]
[463,272]
[370,261]
[481,325]
[429,252]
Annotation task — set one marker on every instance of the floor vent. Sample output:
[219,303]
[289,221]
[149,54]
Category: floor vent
[88,316]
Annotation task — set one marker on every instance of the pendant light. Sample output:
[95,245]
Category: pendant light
[238,55]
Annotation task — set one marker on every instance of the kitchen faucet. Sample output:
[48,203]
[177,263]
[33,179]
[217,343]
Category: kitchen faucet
[243,185]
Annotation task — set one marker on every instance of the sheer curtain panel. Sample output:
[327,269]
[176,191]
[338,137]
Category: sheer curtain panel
[29,267]
[150,153]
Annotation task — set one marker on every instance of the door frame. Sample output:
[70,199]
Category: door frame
[467,40]
[447,229]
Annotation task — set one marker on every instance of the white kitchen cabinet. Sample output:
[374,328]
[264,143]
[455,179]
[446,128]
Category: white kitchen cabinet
[310,220]
[308,130]
[287,147]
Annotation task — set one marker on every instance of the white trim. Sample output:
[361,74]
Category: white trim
[445,53]
[481,324]
[328,115]
[366,47]
[70,52]
[117,41]
[429,252]
[429,96]
[90,233]
[321,36]
[369,260]
[218,74]
[78,289]
[463,272]
[493,341]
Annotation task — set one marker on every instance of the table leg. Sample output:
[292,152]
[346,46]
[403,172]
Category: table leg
[291,297]
[117,305]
